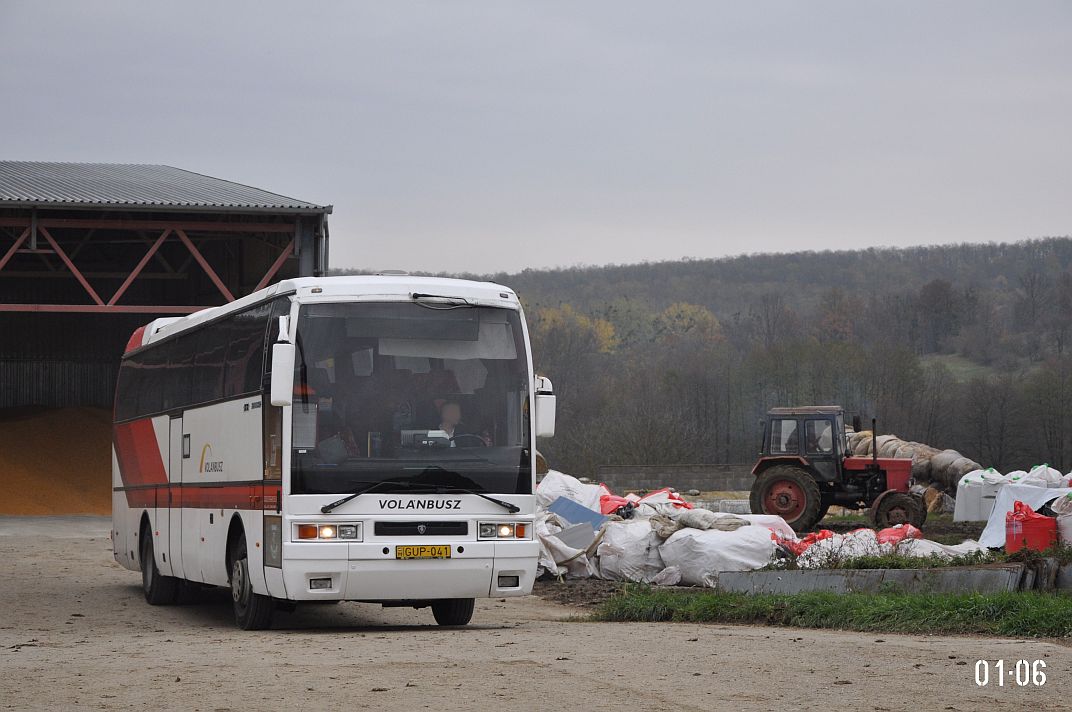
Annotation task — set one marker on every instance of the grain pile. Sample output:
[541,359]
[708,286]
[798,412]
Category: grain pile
[55,461]
[942,468]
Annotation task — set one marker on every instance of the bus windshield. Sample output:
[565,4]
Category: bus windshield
[416,396]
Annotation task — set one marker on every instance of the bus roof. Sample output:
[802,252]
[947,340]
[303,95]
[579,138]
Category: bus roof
[390,286]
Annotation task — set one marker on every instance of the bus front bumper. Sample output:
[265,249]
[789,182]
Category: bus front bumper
[330,571]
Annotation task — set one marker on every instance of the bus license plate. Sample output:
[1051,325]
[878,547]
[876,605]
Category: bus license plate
[423,551]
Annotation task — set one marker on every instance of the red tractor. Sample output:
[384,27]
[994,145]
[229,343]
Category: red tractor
[805,467]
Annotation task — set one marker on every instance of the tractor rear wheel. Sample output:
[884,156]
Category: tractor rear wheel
[789,492]
[893,508]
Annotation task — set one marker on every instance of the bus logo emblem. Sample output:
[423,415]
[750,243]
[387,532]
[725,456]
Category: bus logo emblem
[422,528]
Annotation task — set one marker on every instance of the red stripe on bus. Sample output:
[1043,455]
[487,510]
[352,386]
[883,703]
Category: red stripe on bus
[194,496]
[138,453]
[135,339]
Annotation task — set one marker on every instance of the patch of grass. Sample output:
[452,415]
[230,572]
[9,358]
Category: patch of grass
[962,369]
[1059,551]
[1004,614]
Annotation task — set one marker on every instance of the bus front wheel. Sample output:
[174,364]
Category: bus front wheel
[252,610]
[453,611]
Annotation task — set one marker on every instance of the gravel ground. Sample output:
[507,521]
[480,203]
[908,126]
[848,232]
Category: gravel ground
[76,633]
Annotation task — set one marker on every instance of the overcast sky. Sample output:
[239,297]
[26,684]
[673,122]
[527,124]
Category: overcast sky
[486,136]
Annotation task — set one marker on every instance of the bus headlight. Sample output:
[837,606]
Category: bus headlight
[503,530]
[327,532]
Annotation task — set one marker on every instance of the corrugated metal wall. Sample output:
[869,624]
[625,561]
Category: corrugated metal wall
[62,359]
[57,383]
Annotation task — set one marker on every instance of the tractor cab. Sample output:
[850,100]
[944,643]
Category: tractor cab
[814,436]
[805,466]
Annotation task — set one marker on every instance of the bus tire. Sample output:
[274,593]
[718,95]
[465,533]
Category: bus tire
[252,610]
[453,611]
[159,590]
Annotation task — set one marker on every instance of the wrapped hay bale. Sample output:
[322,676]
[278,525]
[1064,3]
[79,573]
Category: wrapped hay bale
[887,445]
[856,440]
[891,449]
[941,461]
[948,466]
[906,450]
[921,466]
[963,465]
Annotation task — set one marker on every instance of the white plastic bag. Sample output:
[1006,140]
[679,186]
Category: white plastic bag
[862,542]
[670,576]
[969,497]
[1015,477]
[926,547]
[772,522]
[556,557]
[629,551]
[1043,476]
[1063,509]
[661,501]
[701,555]
[976,492]
[557,484]
[706,519]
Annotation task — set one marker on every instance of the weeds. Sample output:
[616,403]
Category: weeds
[1005,614]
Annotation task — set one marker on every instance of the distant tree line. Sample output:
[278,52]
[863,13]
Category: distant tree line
[963,346]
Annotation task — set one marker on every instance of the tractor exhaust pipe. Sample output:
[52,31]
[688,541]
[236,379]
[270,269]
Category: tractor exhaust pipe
[874,441]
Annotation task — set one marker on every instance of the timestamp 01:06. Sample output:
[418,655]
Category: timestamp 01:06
[1019,673]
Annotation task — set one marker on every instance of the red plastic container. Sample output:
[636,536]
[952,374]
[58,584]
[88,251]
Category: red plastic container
[1026,529]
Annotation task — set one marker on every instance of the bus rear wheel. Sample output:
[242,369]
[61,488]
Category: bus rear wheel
[453,611]
[252,610]
[159,590]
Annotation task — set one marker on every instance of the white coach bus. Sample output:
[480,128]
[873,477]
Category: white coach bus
[327,439]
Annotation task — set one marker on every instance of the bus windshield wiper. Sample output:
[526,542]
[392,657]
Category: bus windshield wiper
[512,508]
[441,488]
[338,503]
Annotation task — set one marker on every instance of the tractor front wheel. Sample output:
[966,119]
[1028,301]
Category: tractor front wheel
[789,492]
[893,508]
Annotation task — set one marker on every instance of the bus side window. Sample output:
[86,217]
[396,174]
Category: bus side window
[126,404]
[180,372]
[211,346]
[152,365]
[245,355]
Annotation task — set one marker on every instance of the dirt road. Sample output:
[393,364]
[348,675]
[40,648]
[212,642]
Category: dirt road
[75,632]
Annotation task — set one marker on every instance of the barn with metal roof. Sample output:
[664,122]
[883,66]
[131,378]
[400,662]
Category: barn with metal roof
[91,251]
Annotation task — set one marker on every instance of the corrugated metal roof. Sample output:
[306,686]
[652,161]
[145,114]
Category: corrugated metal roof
[134,185]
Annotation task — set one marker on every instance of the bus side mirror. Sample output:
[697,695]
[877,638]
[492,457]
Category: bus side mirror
[545,406]
[282,373]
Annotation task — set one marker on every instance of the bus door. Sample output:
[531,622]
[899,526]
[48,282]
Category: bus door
[173,517]
[190,514]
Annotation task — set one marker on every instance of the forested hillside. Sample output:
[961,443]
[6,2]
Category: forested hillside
[963,346]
